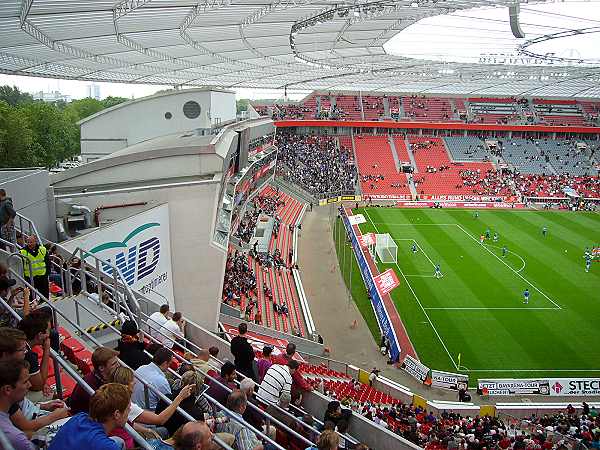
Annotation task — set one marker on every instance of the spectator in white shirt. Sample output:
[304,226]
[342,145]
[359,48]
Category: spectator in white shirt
[277,381]
[172,329]
[157,320]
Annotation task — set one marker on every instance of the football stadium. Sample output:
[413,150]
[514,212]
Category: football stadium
[324,225]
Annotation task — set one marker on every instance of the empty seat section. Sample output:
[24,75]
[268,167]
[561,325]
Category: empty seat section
[349,107]
[566,157]
[372,107]
[524,155]
[466,148]
[377,169]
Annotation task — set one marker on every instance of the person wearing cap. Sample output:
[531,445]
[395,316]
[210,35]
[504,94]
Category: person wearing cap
[130,348]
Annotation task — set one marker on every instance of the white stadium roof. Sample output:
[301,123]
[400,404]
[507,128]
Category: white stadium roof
[299,44]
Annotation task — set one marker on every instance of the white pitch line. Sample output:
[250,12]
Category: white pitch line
[420,276]
[413,224]
[534,370]
[422,251]
[516,273]
[419,302]
[467,308]
[516,254]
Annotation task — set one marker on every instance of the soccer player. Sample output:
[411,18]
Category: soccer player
[526,296]
[545,231]
[496,237]
[414,248]
[476,215]
[481,239]
[487,233]
[504,251]
[438,272]
[588,262]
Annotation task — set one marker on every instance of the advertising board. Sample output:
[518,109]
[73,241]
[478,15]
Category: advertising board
[140,247]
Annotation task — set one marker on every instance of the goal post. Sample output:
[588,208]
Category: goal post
[386,249]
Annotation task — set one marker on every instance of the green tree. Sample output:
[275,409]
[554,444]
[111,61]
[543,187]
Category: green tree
[242,104]
[55,136]
[109,102]
[16,138]
[13,96]
[85,107]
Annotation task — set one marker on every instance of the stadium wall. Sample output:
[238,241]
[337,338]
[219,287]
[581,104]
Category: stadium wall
[32,197]
[197,265]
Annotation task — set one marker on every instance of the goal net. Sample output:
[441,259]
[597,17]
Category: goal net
[385,248]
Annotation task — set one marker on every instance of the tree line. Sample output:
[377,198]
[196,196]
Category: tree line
[34,133]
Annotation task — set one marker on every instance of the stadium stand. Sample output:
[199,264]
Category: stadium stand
[319,164]
[429,109]
[493,110]
[467,148]
[377,169]
[524,156]
[566,157]
[438,175]
[559,112]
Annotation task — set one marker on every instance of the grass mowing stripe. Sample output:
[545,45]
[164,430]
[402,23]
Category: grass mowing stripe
[419,302]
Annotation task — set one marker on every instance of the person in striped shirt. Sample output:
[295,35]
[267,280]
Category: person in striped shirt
[277,381]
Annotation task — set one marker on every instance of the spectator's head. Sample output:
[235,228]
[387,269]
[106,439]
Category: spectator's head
[213,351]
[284,400]
[243,328]
[164,309]
[162,358]
[110,405]
[184,367]
[123,375]
[267,350]
[237,401]
[177,317]
[31,241]
[105,360]
[203,355]
[228,371]
[192,378]
[3,270]
[14,381]
[2,194]
[193,436]
[328,440]
[5,285]
[36,327]
[129,328]
[334,408]
[293,365]
[361,447]
[247,386]
[13,344]
[290,349]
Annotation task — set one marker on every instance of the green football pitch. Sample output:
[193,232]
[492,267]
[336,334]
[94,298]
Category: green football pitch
[476,309]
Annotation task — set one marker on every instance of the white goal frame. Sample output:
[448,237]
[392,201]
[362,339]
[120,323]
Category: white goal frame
[386,249]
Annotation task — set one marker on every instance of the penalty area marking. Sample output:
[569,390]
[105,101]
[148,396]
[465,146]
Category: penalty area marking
[516,273]
[418,301]
[483,308]
[422,251]
[516,254]
[534,370]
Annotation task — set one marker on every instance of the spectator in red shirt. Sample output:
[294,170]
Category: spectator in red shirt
[299,384]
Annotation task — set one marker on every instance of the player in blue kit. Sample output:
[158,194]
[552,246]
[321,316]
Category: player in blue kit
[438,272]
[504,251]
[526,296]
[414,248]
[588,262]
[545,231]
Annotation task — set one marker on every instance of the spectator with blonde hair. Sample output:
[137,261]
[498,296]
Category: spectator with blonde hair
[124,375]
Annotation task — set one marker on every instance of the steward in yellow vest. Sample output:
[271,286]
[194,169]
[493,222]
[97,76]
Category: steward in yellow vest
[40,263]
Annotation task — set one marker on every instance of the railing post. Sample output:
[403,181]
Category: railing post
[77,319]
[99,279]
[82,276]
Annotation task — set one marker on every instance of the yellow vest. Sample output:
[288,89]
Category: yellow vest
[38,263]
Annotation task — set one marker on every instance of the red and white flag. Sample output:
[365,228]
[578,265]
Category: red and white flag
[367,239]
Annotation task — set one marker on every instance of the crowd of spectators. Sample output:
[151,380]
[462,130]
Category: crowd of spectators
[316,163]
[492,183]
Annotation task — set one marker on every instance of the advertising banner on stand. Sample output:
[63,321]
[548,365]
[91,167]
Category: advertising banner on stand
[140,247]
[449,380]
[381,313]
[367,239]
[555,387]
[386,281]
[415,368]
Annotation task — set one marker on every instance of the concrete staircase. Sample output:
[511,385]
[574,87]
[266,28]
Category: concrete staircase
[394,153]
[411,156]
[386,108]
